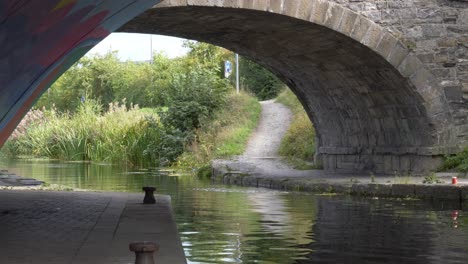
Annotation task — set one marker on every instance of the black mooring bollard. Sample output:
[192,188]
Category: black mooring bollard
[144,251]
[149,195]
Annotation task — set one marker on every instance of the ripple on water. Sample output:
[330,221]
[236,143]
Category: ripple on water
[222,224]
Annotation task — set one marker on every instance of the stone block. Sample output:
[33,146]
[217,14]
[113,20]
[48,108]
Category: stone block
[319,12]
[348,20]
[423,80]
[386,44]
[308,186]
[464,193]
[265,183]
[290,8]
[330,162]
[373,189]
[359,189]
[447,192]
[199,3]
[409,66]
[276,183]
[276,6]
[249,181]
[231,3]
[178,2]
[304,10]
[464,87]
[403,190]
[423,191]
[383,190]
[453,93]
[388,163]
[396,163]
[323,187]
[261,5]
[398,53]
[340,188]
[360,28]
[373,36]
[447,42]
[333,17]
[247,4]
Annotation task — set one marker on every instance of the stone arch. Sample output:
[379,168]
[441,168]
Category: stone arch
[372,101]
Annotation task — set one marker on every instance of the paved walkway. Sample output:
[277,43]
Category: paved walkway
[83,227]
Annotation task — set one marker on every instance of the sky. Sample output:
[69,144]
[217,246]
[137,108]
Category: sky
[136,47]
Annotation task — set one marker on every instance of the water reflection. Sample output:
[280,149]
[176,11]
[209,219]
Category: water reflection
[220,224]
[385,231]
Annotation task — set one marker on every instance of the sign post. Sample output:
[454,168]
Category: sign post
[237,73]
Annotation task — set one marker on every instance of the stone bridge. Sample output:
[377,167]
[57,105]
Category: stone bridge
[385,82]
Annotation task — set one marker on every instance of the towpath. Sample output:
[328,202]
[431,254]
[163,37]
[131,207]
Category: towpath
[261,155]
[261,166]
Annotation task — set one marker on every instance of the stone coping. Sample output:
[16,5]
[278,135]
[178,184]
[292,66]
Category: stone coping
[347,185]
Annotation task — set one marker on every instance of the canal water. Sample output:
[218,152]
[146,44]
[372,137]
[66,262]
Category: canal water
[227,224]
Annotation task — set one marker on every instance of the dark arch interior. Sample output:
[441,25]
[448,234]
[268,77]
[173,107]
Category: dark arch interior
[360,105]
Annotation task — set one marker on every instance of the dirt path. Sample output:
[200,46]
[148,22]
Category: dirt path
[261,156]
[274,122]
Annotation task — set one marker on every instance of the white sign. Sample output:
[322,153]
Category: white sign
[227,69]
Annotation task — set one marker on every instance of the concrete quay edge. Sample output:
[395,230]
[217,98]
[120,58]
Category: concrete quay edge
[350,186]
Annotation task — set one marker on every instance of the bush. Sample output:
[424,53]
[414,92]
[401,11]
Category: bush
[457,162]
[185,116]
[299,141]
[225,135]
[258,80]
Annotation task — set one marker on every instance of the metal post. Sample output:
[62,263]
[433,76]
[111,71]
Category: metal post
[151,49]
[149,195]
[144,251]
[237,73]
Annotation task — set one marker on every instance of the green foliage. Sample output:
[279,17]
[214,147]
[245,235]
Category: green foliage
[120,135]
[457,162]
[194,96]
[225,135]
[205,172]
[188,107]
[107,79]
[299,141]
[431,179]
[258,80]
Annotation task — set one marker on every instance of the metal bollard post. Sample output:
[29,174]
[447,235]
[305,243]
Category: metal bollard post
[144,251]
[149,195]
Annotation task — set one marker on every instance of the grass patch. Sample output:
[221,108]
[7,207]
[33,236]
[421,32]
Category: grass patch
[458,162]
[432,179]
[300,164]
[299,142]
[402,179]
[224,136]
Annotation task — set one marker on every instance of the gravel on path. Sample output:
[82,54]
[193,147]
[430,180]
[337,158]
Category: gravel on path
[261,155]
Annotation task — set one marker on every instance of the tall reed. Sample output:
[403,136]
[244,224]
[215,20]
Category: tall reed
[120,135]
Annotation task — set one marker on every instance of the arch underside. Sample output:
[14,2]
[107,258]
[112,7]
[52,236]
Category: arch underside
[367,116]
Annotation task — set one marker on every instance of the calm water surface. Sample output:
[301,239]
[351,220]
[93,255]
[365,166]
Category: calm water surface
[221,224]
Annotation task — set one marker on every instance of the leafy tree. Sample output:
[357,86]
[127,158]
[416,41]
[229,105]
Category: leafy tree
[258,80]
